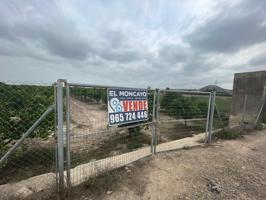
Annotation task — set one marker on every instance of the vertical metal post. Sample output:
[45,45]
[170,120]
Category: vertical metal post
[244,109]
[68,134]
[152,137]
[208,119]
[55,128]
[211,116]
[60,134]
[156,118]
[153,122]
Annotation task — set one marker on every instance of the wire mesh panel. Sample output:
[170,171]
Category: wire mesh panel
[96,147]
[181,115]
[21,105]
[247,109]
[222,111]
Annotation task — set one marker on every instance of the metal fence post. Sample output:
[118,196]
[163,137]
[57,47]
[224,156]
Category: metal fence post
[156,118]
[68,134]
[55,135]
[208,119]
[60,133]
[211,115]
[55,130]
[153,122]
[152,137]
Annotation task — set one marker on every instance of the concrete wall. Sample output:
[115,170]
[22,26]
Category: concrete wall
[252,86]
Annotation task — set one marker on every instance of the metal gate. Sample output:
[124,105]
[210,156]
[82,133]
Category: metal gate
[87,145]
[183,114]
[91,146]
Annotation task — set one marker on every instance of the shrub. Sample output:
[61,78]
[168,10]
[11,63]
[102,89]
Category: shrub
[21,106]
[228,134]
[183,107]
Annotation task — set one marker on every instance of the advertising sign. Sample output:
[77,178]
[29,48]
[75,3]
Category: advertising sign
[127,106]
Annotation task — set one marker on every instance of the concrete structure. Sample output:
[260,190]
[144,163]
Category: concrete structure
[249,92]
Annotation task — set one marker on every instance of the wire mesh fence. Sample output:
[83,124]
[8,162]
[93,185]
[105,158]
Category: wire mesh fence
[21,105]
[77,142]
[92,140]
[222,111]
[247,110]
[181,114]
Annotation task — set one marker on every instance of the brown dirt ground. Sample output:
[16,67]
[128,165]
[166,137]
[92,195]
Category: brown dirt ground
[238,167]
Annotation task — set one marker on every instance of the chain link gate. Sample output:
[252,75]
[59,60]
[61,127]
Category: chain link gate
[182,114]
[87,145]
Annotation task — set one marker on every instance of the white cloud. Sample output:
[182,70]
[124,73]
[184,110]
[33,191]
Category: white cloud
[180,44]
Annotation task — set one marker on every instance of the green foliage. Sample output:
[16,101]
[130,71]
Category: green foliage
[223,104]
[185,107]
[133,146]
[228,134]
[168,98]
[90,95]
[21,106]
[150,104]
[259,126]
[27,161]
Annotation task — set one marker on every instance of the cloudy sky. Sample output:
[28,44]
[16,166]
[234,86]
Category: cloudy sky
[140,43]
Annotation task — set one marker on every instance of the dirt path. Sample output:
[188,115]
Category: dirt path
[89,117]
[88,125]
[236,169]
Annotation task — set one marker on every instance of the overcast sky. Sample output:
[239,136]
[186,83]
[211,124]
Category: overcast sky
[140,43]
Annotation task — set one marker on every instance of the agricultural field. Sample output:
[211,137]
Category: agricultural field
[20,106]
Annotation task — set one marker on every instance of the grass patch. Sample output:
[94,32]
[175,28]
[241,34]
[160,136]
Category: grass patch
[27,162]
[94,188]
[223,104]
[228,134]
[132,146]
[175,131]
[115,145]
[97,187]
[197,126]
[102,183]
[259,127]
[217,123]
